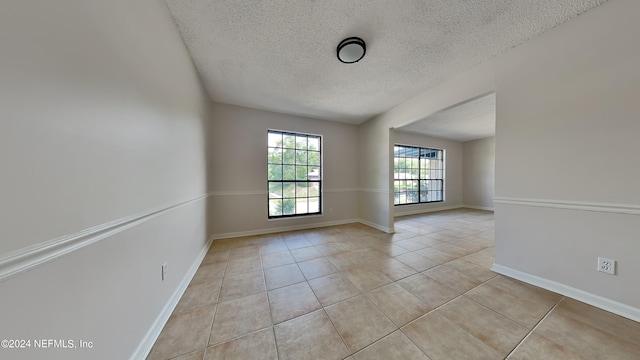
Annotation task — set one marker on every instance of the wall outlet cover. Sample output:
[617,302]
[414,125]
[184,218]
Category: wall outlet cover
[164,271]
[607,265]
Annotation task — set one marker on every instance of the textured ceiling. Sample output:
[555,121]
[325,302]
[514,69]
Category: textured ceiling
[472,120]
[280,55]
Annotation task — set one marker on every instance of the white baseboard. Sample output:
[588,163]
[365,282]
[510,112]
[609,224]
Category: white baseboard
[487,208]
[150,338]
[388,230]
[424,210]
[282,229]
[615,307]
[256,232]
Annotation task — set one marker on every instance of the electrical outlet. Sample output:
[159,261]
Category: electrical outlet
[607,265]
[165,267]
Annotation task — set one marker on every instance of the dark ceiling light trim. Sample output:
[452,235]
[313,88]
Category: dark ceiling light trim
[351,50]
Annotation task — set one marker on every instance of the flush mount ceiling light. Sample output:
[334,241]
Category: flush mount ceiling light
[351,50]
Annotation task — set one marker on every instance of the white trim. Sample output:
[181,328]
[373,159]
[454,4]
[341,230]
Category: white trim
[281,229]
[423,210]
[299,227]
[381,191]
[615,307]
[339,190]
[388,230]
[239,193]
[571,205]
[264,192]
[16,262]
[487,208]
[145,346]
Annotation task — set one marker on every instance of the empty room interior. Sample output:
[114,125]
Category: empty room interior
[317,179]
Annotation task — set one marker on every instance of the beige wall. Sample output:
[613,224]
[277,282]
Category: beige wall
[479,173]
[376,168]
[566,157]
[566,104]
[375,171]
[238,171]
[453,171]
[102,120]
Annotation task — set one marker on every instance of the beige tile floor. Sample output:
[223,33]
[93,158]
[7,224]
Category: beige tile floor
[353,292]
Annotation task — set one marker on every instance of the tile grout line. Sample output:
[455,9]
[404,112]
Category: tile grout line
[238,337]
[272,325]
[215,311]
[264,281]
[362,293]
[439,306]
[213,319]
[268,304]
[275,341]
[324,310]
[534,327]
[449,301]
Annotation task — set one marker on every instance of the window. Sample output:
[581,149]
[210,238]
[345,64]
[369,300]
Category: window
[295,174]
[418,175]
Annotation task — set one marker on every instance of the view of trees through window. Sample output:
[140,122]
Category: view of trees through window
[418,175]
[295,174]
